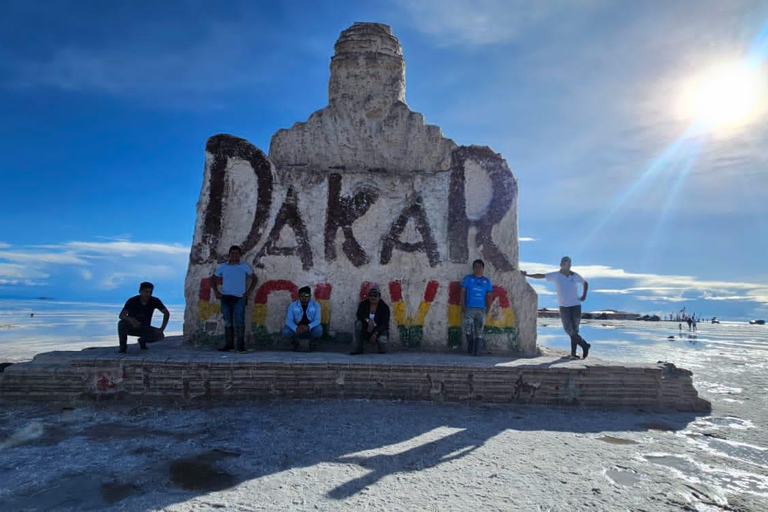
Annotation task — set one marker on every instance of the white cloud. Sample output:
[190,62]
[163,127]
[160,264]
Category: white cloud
[106,265]
[126,248]
[14,270]
[30,257]
[4,245]
[526,239]
[542,289]
[480,22]
[140,273]
[663,288]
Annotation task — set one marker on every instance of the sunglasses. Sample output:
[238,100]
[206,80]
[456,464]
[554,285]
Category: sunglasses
[374,294]
[304,295]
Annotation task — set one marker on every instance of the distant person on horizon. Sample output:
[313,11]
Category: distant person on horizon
[569,300]
[136,318]
[475,300]
[237,282]
[302,320]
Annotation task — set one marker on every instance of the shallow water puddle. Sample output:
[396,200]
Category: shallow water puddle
[201,472]
[622,477]
[79,492]
[616,440]
[671,461]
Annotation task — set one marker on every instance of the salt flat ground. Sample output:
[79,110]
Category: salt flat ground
[384,455]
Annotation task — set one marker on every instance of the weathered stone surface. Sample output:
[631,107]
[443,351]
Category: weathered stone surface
[363,192]
[367,124]
[172,373]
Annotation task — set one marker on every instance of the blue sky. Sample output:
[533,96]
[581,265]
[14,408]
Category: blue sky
[106,108]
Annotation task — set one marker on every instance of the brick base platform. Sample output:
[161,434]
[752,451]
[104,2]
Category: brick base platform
[171,371]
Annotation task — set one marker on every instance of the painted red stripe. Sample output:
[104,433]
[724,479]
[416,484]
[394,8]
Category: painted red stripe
[454,293]
[323,291]
[501,294]
[431,291]
[278,285]
[395,291]
[205,289]
[364,289]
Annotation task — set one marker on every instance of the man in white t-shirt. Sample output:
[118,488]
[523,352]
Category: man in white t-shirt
[569,299]
[237,282]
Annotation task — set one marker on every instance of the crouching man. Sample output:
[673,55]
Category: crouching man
[302,321]
[136,318]
[372,323]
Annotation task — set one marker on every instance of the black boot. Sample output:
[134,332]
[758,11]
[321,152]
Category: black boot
[123,347]
[574,343]
[584,347]
[240,333]
[358,347]
[470,345]
[229,339]
[142,344]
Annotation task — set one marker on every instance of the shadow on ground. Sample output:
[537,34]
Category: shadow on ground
[140,457]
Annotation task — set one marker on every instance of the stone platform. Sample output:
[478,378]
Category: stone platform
[171,371]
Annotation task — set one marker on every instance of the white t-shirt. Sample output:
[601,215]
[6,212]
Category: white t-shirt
[233,278]
[567,288]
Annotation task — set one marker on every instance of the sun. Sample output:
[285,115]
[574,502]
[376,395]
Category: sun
[726,96]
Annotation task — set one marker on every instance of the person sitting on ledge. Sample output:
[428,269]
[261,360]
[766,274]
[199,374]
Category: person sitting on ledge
[136,318]
[302,320]
[568,298]
[237,282]
[372,323]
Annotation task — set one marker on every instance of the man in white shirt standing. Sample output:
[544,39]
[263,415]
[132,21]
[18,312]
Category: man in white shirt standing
[569,300]
[237,283]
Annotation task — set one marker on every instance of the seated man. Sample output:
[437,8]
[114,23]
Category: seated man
[302,321]
[136,318]
[372,323]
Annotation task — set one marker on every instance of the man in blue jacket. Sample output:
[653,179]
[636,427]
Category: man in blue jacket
[302,321]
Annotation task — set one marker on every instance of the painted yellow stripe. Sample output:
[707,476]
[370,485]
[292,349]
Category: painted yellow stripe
[399,308]
[507,319]
[454,315]
[206,310]
[325,311]
[422,313]
[259,314]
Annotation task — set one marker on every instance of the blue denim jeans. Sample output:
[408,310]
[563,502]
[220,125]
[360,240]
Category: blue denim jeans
[234,315]
[314,334]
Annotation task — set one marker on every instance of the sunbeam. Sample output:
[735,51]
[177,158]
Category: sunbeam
[726,97]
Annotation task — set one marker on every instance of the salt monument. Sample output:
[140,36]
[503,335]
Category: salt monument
[364,192]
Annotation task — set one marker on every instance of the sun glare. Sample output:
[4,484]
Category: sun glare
[727,96]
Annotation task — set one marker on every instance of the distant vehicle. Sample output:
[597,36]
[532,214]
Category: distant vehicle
[715,320]
[757,322]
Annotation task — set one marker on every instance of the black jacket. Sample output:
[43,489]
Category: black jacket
[381,318]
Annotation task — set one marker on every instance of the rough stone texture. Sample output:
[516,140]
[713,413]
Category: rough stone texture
[367,124]
[175,374]
[363,192]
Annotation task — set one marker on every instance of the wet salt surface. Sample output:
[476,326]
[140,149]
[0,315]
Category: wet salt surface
[31,327]
[331,455]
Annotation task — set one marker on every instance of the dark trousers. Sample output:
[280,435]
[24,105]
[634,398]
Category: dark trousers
[146,334]
[362,335]
[571,318]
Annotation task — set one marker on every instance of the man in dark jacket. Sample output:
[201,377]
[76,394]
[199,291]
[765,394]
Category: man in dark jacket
[372,323]
[136,318]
